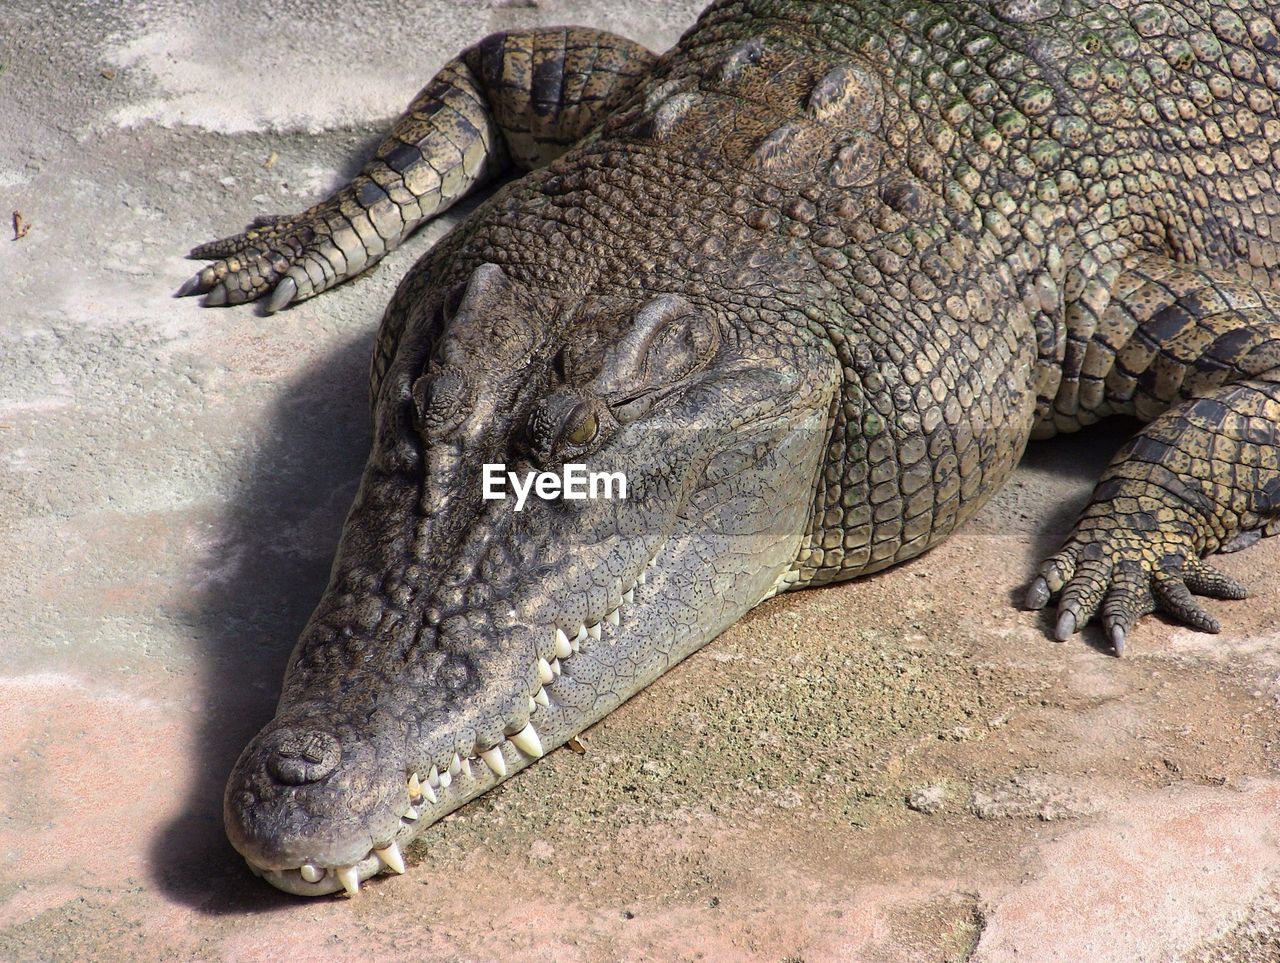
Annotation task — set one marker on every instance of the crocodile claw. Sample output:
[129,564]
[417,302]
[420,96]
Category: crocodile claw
[1066,626]
[1117,640]
[285,292]
[190,287]
[1038,594]
[216,297]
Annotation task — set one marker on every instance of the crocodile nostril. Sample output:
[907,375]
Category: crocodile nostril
[302,757]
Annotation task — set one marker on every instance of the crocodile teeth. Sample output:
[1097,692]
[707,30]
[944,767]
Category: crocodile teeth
[594,631]
[643,579]
[429,793]
[532,705]
[415,787]
[391,857]
[545,674]
[433,777]
[614,618]
[493,759]
[629,596]
[455,765]
[556,668]
[466,767]
[542,698]
[580,638]
[563,648]
[312,874]
[446,779]
[527,741]
[349,878]
[412,814]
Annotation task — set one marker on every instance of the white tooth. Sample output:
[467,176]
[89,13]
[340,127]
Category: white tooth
[429,793]
[545,674]
[644,578]
[446,779]
[433,777]
[532,705]
[312,874]
[412,813]
[349,879]
[594,631]
[555,667]
[563,648]
[391,857]
[466,767]
[415,787]
[493,759]
[582,635]
[614,618]
[542,698]
[455,765]
[527,741]
[629,596]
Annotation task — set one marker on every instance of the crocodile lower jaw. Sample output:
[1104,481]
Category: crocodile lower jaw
[466,777]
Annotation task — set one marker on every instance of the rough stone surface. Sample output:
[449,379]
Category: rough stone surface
[171,484]
[927,799]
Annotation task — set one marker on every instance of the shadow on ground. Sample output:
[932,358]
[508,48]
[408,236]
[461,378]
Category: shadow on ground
[277,540]
[1082,456]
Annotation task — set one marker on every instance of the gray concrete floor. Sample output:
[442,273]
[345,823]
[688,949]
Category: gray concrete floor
[172,480]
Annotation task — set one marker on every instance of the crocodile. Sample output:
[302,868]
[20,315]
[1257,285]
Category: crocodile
[812,280]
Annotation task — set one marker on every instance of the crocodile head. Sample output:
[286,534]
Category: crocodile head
[461,637]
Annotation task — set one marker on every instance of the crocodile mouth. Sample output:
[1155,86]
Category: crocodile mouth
[431,795]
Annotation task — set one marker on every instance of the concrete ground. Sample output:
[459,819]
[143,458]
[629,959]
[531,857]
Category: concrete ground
[903,768]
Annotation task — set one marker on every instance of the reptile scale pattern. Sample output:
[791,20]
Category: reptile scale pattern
[994,221]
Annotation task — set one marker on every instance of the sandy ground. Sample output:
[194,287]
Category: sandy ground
[898,769]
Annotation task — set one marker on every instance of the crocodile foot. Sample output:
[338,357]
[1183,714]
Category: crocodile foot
[293,257]
[1120,575]
[248,265]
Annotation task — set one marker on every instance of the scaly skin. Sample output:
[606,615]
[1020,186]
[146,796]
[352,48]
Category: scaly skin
[812,280]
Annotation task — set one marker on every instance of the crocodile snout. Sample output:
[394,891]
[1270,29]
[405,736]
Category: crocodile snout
[302,756]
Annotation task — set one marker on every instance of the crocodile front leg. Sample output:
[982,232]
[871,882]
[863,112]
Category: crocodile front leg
[1198,352]
[514,99]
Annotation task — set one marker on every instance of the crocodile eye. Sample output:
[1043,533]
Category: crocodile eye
[567,426]
[581,428]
